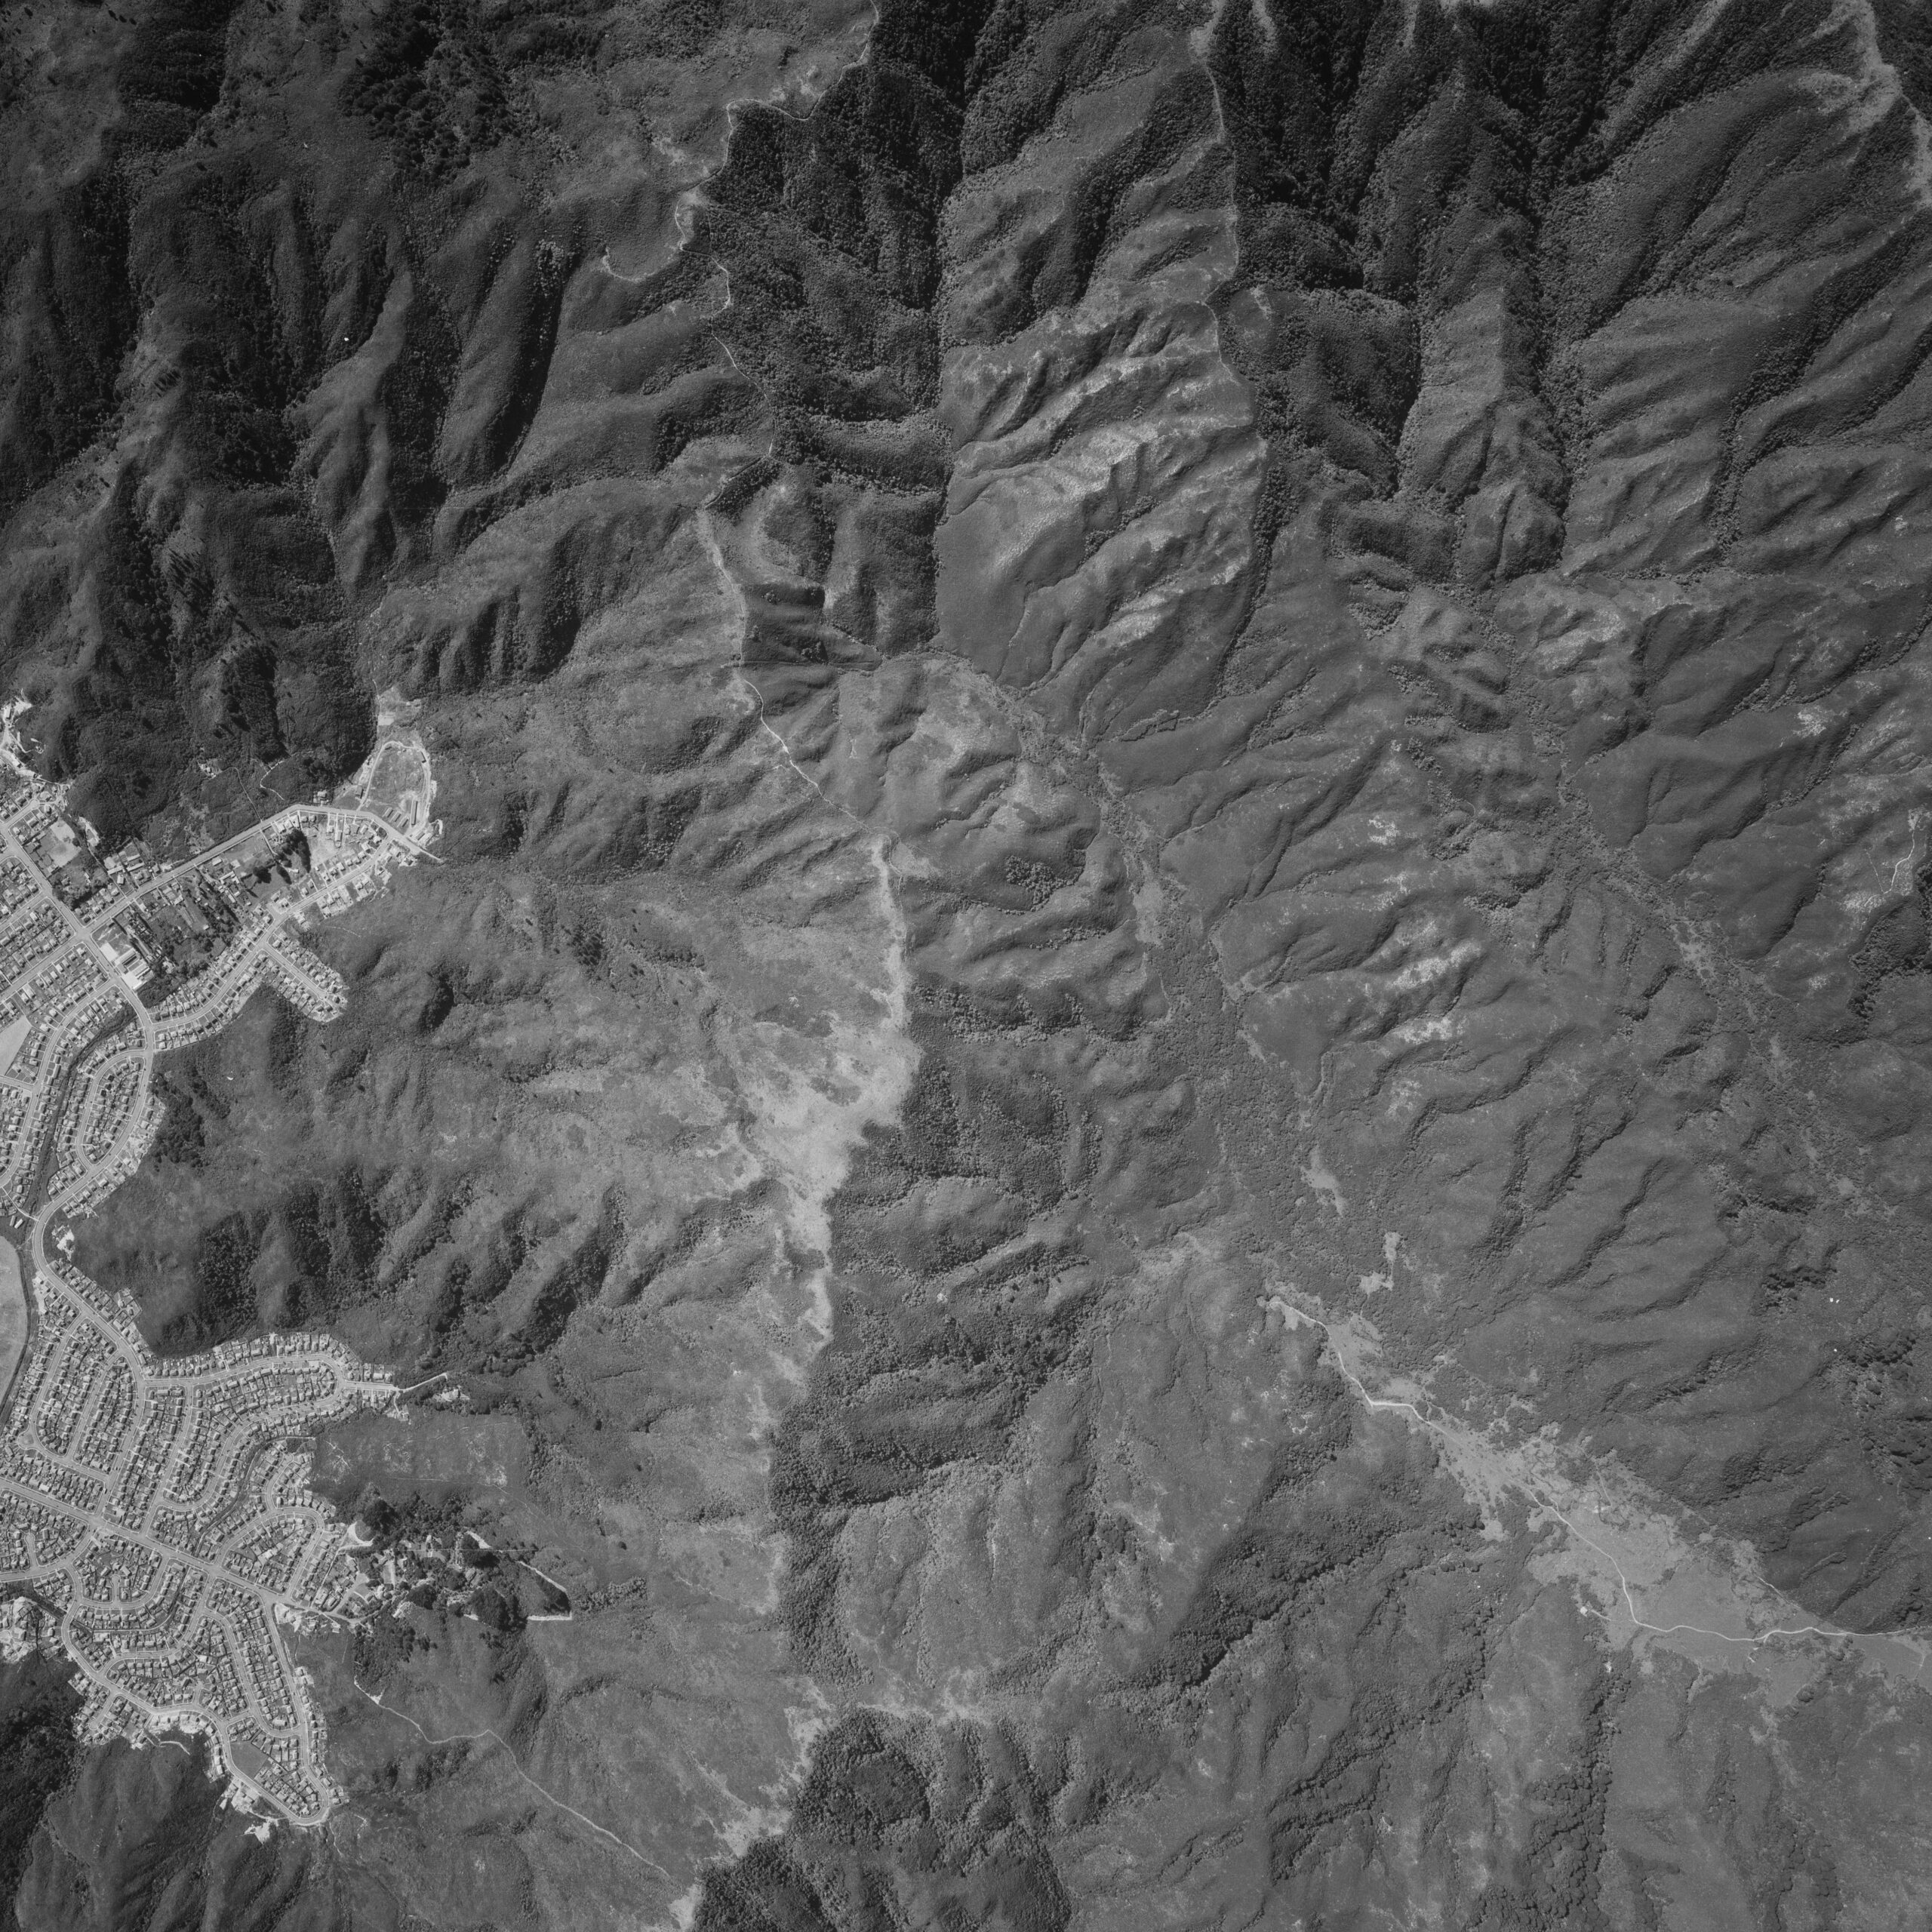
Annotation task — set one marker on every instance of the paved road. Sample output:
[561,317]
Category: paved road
[116,907]
[227,1567]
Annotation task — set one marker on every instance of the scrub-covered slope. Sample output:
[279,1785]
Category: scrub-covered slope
[1161,1112]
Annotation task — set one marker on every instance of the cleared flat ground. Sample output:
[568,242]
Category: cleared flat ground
[13,1316]
[12,1037]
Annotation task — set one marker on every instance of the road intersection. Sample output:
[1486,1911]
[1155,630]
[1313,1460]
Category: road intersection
[158,1508]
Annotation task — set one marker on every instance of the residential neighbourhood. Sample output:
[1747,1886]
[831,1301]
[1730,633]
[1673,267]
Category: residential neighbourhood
[159,1511]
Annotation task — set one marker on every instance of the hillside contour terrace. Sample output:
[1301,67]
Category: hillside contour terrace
[158,1511]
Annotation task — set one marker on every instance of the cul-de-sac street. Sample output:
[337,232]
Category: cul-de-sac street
[155,1512]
